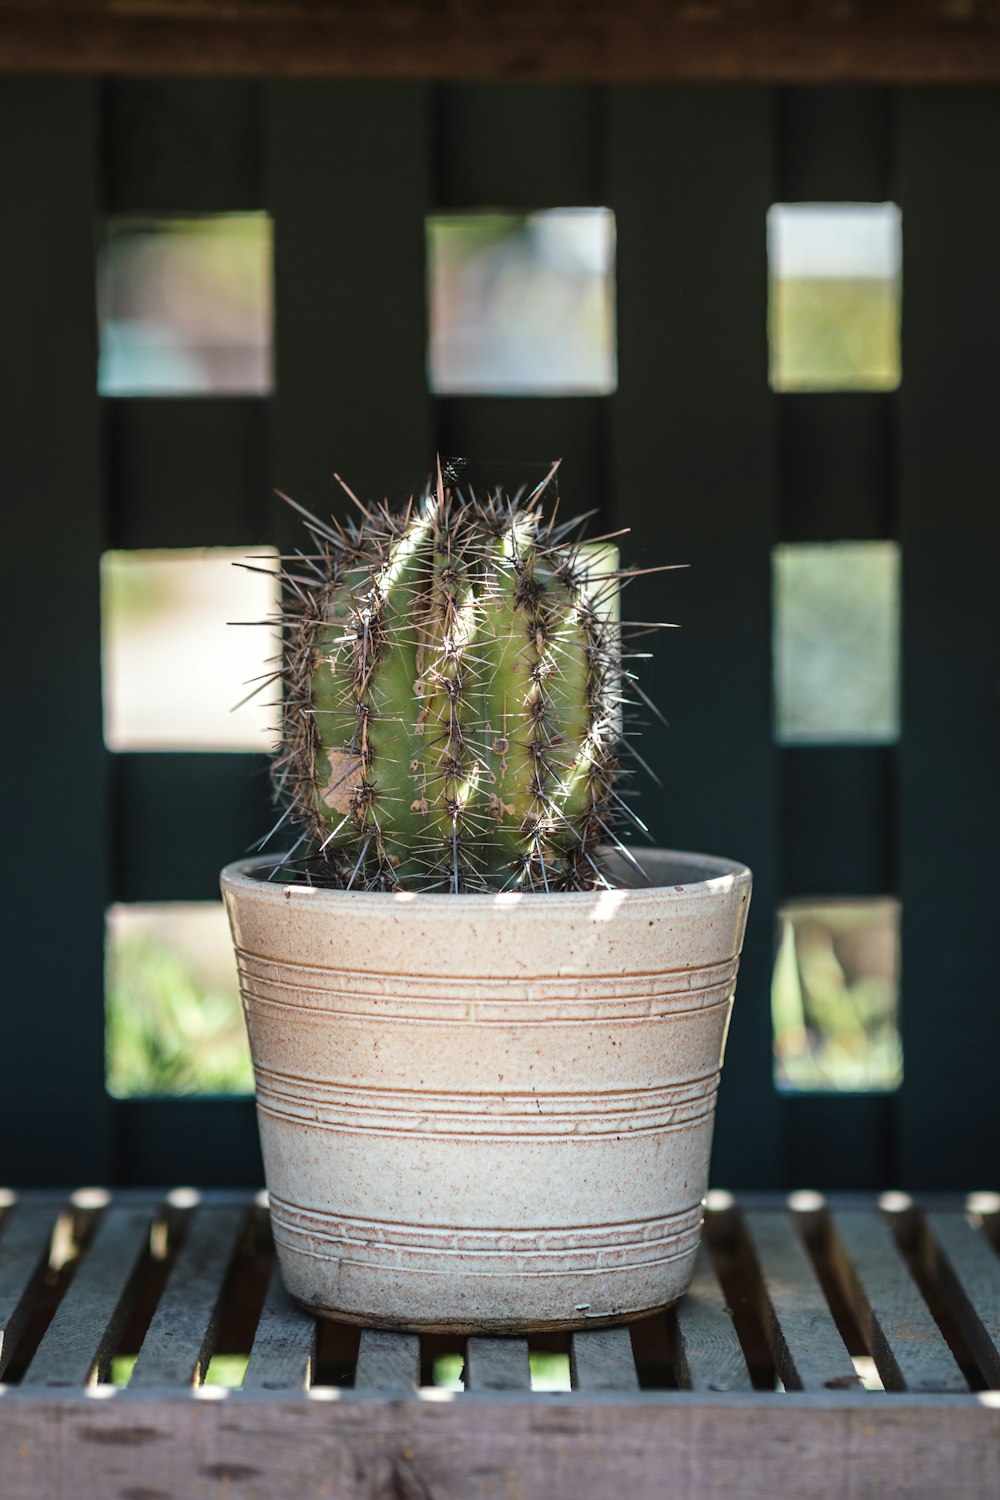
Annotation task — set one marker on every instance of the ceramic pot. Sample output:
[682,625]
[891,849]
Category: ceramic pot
[488,1113]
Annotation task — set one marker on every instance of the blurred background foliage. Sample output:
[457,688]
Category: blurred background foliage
[184,305]
[174,1023]
[835,996]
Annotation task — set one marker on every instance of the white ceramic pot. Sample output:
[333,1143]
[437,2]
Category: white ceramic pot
[489,1113]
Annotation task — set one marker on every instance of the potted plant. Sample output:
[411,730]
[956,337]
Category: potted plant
[486,1042]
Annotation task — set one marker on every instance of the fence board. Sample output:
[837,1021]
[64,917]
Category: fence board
[53,533]
[348,171]
[950,446]
[692,472]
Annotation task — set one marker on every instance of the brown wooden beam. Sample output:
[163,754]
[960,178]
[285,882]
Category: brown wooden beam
[793,41]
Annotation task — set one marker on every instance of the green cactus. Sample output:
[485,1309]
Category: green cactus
[452,698]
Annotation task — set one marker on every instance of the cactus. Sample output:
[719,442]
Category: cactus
[452,697]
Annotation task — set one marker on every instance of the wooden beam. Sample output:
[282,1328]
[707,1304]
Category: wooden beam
[708,40]
[68,1446]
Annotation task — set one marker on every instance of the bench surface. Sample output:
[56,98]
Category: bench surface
[827,1347]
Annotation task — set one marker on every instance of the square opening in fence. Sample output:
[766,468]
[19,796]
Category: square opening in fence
[835,997]
[184,305]
[173,1019]
[174,661]
[522,304]
[836,642]
[835,293]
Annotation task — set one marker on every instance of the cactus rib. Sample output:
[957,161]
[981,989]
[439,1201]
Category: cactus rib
[452,697]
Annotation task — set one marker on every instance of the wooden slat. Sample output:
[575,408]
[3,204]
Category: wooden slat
[707,1353]
[387,1361]
[969,1269]
[908,1348]
[78,1344]
[497,1365]
[25,1238]
[284,1345]
[824,41]
[178,1343]
[601,1359]
[809,1352]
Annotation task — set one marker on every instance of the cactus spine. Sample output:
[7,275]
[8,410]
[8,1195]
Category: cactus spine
[451,698]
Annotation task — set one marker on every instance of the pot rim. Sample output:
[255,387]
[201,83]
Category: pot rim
[717,877]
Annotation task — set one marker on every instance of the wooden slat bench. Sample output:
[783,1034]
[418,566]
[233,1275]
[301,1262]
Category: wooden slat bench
[848,1348]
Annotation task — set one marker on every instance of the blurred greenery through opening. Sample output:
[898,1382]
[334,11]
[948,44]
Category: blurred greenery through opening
[835,997]
[835,292]
[522,304]
[836,642]
[185,305]
[174,668]
[173,1019]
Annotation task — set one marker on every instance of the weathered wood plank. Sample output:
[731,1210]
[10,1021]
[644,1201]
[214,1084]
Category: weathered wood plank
[969,1271]
[725,41]
[808,1350]
[78,1344]
[178,1342]
[497,1365]
[25,1237]
[707,1353]
[387,1361]
[906,1343]
[601,1359]
[360,1447]
[284,1345]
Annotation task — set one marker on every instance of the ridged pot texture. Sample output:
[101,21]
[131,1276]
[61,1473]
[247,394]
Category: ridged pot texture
[488,1112]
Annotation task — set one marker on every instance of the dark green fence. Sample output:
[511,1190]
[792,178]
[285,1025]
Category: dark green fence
[693,451]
